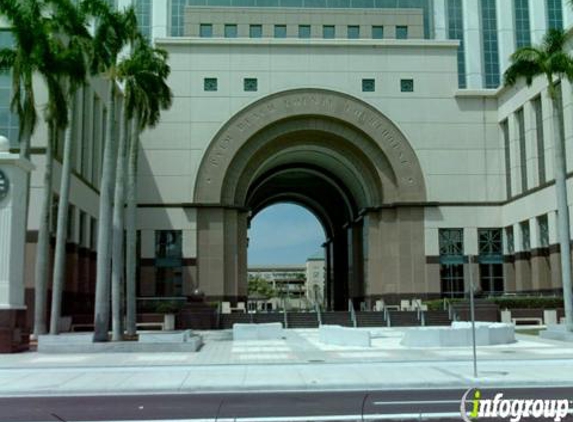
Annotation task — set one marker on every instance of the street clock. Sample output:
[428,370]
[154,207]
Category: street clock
[4,185]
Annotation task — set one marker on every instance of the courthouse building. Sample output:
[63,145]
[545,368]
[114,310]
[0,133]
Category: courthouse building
[385,118]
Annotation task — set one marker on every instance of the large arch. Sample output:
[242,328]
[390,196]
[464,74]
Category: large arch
[334,154]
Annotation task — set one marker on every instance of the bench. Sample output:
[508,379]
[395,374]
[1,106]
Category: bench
[535,320]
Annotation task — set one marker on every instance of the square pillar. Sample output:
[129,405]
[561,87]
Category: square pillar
[473,44]
[505,32]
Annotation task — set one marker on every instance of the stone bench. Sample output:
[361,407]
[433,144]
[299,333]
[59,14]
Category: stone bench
[268,331]
[344,336]
[460,335]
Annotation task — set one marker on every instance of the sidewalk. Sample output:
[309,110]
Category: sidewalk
[299,362]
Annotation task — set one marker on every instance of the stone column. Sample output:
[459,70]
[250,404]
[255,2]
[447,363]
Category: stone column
[473,43]
[537,20]
[540,274]
[505,32]
[440,19]
[13,195]
[522,261]
[159,19]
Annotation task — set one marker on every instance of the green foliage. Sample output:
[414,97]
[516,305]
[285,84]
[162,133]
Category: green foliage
[549,59]
[168,307]
[528,302]
[261,288]
[507,302]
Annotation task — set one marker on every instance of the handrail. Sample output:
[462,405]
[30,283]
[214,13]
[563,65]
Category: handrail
[352,313]
[318,313]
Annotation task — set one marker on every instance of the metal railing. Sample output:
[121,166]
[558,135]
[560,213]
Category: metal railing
[352,313]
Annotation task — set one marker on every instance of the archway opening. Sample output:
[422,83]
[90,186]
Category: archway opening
[286,258]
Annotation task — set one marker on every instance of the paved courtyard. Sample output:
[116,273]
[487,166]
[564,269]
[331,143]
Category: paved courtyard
[296,362]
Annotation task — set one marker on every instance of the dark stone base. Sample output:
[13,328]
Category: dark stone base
[14,335]
[198,316]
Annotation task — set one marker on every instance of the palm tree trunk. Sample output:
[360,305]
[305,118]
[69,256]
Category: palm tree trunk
[131,247]
[117,267]
[43,245]
[562,212]
[101,314]
[62,229]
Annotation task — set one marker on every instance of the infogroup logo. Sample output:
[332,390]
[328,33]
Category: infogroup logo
[513,410]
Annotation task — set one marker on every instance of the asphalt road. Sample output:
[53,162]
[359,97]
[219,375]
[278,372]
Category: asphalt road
[399,405]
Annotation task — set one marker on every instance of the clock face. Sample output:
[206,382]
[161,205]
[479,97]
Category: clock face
[4,185]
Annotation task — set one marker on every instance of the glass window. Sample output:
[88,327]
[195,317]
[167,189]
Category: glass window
[93,234]
[353,31]
[230,30]
[554,14]
[522,150]
[70,233]
[505,133]
[490,242]
[543,223]
[250,84]
[304,31]
[255,31]
[377,32]
[491,279]
[206,30]
[522,29]
[525,235]
[406,85]
[9,125]
[401,32]
[451,243]
[144,15]
[368,85]
[168,263]
[82,230]
[280,31]
[455,23]
[210,84]
[328,31]
[452,280]
[538,110]
[490,44]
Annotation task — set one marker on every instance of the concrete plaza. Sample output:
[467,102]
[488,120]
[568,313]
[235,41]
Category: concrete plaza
[298,362]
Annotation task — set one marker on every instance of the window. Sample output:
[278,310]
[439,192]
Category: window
[328,31]
[525,235]
[455,23]
[280,31]
[490,44]
[538,110]
[368,85]
[205,30]
[250,84]
[406,85]
[353,32]
[522,29]
[490,243]
[491,279]
[93,234]
[505,134]
[230,31]
[554,14]
[255,31]
[70,232]
[143,13]
[522,150]
[377,32]
[304,31]
[168,263]
[543,224]
[451,243]
[401,32]
[210,84]
[452,280]
[82,230]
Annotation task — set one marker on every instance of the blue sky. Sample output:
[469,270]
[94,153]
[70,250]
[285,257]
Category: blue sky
[284,234]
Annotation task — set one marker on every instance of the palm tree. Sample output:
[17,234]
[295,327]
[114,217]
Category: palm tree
[72,41]
[32,53]
[114,30]
[552,61]
[146,93]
